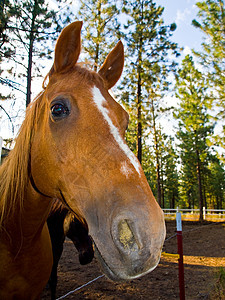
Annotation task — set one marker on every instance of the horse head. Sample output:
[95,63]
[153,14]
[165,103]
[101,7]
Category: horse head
[78,233]
[80,156]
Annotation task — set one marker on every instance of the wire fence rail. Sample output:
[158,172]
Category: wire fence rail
[215,215]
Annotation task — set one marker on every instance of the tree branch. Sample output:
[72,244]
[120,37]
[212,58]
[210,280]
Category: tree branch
[1,107]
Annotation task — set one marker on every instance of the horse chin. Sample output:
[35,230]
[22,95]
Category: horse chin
[105,268]
[120,276]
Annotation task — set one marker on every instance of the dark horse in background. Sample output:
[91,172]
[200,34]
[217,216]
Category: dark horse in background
[61,224]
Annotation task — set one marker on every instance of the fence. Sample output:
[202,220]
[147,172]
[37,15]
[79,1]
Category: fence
[215,215]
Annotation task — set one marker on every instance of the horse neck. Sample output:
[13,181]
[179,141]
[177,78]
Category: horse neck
[36,210]
[26,224]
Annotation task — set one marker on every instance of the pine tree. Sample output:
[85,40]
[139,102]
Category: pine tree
[101,28]
[6,11]
[215,184]
[171,186]
[194,125]
[211,21]
[148,66]
[7,49]
[33,26]
[148,165]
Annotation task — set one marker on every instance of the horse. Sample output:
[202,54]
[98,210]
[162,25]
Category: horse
[61,224]
[71,146]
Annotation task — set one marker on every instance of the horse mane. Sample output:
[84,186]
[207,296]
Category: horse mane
[57,206]
[86,73]
[83,69]
[14,172]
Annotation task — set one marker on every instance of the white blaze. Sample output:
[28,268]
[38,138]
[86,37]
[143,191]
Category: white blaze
[125,169]
[99,101]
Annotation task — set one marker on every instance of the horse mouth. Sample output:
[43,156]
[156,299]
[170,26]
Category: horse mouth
[122,276]
[105,268]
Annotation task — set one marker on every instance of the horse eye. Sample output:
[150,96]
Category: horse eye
[59,111]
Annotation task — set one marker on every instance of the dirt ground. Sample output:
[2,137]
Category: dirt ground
[204,254]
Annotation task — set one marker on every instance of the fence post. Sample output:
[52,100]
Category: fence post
[180,252]
[1,140]
[203,212]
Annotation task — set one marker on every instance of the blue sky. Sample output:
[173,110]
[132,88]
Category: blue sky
[182,12]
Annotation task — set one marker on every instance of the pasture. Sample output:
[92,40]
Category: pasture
[204,249]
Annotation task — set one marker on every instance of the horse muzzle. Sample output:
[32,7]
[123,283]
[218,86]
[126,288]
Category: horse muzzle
[135,247]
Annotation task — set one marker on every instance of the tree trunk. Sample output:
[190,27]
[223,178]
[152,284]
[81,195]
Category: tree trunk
[204,194]
[30,54]
[189,200]
[162,192]
[199,186]
[139,85]
[159,192]
[173,202]
[139,102]
[96,58]
[139,121]
[98,37]
[29,75]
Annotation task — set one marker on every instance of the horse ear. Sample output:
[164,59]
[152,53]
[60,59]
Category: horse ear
[67,49]
[112,68]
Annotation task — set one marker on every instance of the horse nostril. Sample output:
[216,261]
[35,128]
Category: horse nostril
[126,236]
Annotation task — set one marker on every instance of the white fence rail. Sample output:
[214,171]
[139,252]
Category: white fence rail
[216,215]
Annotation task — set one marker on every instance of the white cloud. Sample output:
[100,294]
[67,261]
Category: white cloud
[182,16]
[187,50]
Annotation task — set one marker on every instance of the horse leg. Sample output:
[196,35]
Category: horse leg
[53,280]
